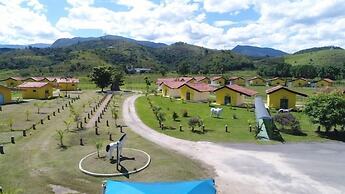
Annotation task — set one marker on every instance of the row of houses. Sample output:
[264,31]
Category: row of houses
[254,81]
[199,90]
[35,87]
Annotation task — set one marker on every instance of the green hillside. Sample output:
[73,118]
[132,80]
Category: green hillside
[317,58]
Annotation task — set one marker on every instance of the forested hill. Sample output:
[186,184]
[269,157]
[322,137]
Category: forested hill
[82,56]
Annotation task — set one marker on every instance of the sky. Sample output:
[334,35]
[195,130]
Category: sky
[289,25]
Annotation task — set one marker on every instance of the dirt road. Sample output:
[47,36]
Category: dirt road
[250,168]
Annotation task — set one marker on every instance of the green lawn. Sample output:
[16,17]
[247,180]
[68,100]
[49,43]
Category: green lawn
[215,127]
[36,161]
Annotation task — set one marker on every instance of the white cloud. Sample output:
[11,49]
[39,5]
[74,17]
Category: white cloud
[223,23]
[23,22]
[225,6]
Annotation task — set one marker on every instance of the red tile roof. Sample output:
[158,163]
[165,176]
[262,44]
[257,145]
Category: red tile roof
[200,87]
[328,80]
[276,78]
[32,84]
[256,77]
[52,78]
[279,87]
[200,78]
[36,78]
[239,89]
[216,78]
[173,84]
[67,80]
[17,78]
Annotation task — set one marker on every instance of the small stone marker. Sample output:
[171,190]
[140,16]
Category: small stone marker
[81,141]
[12,140]
[24,133]
[226,128]
[96,123]
[54,113]
[88,115]
[48,117]
[99,119]
[41,121]
[250,128]
[33,126]
[85,120]
[181,128]
[107,123]
[96,131]
[58,110]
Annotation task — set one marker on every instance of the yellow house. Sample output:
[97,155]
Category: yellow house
[197,92]
[202,79]
[5,95]
[282,97]
[218,81]
[299,82]
[257,81]
[52,81]
[276,81]
[186,79]
[232,94]
[68,84]
[13,81]
[237,80]
[36,90]
[171,89]
[324,82]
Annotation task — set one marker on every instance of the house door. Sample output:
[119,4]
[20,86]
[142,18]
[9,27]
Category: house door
[188,96]
[227,100]
[46,93]
[2,100]
[165,92]
[284,103]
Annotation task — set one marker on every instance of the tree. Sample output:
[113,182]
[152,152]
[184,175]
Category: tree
[327,110]
[101,76]
[117,79]
[148,84]
[10,123]
[39,105]
[163,70]
[68,123]
[183,68]
[99,145]
[288,123]
[75,114]
[114,114]
[61,135]
[160,118]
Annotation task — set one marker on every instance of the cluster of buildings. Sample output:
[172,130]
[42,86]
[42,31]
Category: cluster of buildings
[35,87]
[232,91]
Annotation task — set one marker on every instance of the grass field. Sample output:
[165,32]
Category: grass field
[318,58]
[215,127]
[36,162]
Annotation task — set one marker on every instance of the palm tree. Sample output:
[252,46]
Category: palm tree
[61,135]
[68,123]
[115,115]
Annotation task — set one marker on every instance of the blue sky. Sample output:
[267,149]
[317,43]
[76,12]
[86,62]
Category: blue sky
[221,24]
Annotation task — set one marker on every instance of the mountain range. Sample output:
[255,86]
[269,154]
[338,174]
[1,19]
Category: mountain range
[254,51]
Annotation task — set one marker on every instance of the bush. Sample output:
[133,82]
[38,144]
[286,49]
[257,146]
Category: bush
[175,116]
[195,121]
[184,113]
[288,123]
[234,116]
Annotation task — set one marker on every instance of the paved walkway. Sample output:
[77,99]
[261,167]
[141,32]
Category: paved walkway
[91,122]
[250,168]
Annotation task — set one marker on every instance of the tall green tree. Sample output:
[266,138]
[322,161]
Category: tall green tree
[327,110]
[117,79]
[101,76]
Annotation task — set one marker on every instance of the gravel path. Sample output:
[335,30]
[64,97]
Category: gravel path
[250,168]
[91,122]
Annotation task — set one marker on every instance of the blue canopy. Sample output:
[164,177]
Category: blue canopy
[185,187]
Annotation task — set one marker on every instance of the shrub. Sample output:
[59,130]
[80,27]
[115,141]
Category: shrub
[234,116]
[195,121]
[175,116]
[288,123]
[184,113]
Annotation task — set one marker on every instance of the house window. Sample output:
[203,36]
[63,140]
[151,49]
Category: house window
[34,90]
[72,84]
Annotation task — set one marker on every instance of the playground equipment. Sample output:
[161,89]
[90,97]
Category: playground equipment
[118,145]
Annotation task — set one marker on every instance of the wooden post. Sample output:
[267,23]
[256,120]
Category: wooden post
[121,129]
[99,119]
[107,123]
[66,104]
[41,121]
[91,112]
[24,133]
[203,128]
[250,128]
[54,113]
[48,117]
[33,126]
[69,102]
[181,128]
[96,131]
[2,149]
[81,142]
[0,108]
[81,125]
[85,120]
[95,123]
[58,110]
[88,115]
[110,137]
[100,115]
[226,128]
[12,140]
[62,107]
